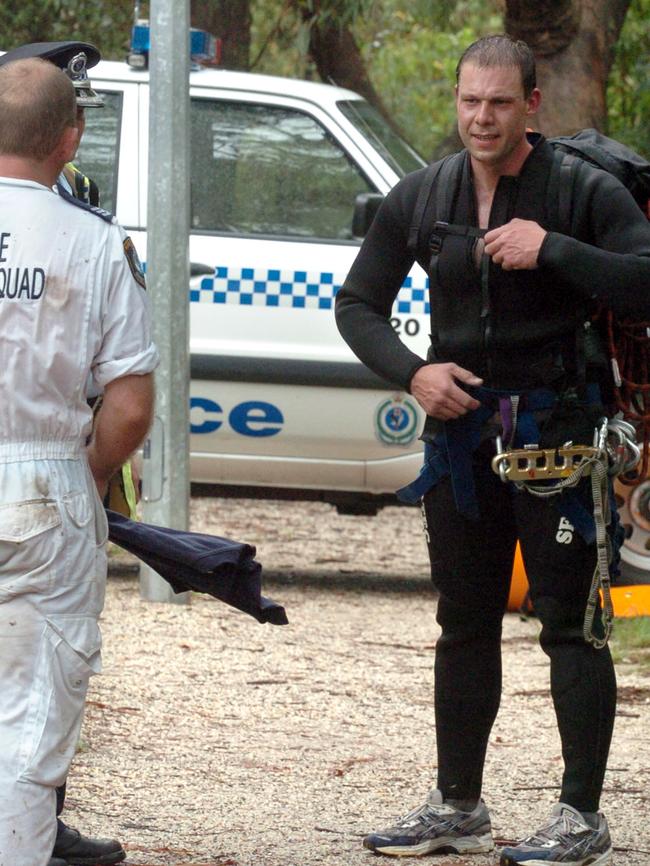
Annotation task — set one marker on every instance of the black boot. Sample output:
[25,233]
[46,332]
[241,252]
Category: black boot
[77,850]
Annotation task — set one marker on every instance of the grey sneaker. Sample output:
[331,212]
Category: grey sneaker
[435,826]
[566,839]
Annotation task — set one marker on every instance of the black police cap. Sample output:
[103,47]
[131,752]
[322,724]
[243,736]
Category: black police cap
[59,53]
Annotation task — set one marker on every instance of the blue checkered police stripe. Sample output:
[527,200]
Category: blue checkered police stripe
[298,289]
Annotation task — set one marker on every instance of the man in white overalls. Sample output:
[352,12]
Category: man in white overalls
[71,305]
[72,848]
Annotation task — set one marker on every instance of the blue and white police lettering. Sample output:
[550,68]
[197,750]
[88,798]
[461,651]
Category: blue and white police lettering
[255,418]
[210,415]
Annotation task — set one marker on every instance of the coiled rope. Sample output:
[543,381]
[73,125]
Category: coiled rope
[628,344]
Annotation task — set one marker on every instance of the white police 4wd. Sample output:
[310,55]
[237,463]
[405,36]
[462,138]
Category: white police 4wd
[284,178]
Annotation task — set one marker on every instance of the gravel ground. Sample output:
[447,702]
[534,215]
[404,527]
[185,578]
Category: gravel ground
[211,740]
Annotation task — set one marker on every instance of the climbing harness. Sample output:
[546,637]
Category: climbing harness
[614,452]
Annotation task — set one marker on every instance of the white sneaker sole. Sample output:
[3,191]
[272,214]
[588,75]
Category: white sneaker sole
[461,845]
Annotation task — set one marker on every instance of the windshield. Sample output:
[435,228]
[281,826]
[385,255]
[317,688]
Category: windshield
[398,154]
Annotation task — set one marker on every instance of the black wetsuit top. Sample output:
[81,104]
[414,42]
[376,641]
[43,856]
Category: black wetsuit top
[518,329]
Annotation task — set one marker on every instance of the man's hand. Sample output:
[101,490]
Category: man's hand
[99,473]
[435,389]
[516,245]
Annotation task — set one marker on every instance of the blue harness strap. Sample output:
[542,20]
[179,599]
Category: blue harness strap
[450,452]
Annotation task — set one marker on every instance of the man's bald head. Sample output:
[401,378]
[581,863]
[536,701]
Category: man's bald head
[37,103]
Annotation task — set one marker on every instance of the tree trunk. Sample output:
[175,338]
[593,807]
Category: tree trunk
[574,43]
[230,21]
[336,55]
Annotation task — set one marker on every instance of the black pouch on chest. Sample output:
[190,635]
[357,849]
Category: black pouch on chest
[460,261]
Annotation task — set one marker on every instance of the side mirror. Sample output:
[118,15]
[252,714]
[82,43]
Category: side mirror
[198,269]
[366,206]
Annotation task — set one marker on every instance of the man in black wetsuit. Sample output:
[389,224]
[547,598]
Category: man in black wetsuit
[511,289]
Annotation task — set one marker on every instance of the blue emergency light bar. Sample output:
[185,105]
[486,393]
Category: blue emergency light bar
[204,47]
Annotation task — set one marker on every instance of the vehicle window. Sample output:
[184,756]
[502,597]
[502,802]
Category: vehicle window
[98,153]
[397,152]
[269,170]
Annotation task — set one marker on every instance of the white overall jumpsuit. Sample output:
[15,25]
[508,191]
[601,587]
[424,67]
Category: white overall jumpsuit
[70,309]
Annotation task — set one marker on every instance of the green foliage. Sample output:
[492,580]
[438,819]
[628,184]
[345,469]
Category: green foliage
[280,32]
[344,12]
[107,25]
[279,40]
[411,51]
[628,91]
[631,641]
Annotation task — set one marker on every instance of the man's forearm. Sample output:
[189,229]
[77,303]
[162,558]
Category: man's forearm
[374,341]
[120,425]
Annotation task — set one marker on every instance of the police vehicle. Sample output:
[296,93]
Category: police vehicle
[285,178]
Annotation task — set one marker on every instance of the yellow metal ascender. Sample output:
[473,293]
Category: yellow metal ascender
[539,464]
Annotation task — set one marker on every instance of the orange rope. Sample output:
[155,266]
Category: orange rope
[629,347]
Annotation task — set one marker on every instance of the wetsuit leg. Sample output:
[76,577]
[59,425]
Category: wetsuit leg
[471,566]
[560,567]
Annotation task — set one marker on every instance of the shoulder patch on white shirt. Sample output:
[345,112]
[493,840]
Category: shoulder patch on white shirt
[134,262]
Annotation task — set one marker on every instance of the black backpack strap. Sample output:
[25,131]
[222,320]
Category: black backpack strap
[568,170]
[560,215]
[442,176]
[559,211]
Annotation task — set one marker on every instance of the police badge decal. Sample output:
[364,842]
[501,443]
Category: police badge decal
[396,422]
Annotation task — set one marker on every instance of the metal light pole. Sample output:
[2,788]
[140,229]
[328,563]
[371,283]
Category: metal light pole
[166,453]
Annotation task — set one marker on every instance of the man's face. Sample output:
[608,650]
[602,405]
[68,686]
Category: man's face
[492,112]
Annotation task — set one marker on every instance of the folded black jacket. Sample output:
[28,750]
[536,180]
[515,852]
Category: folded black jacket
[221,567]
